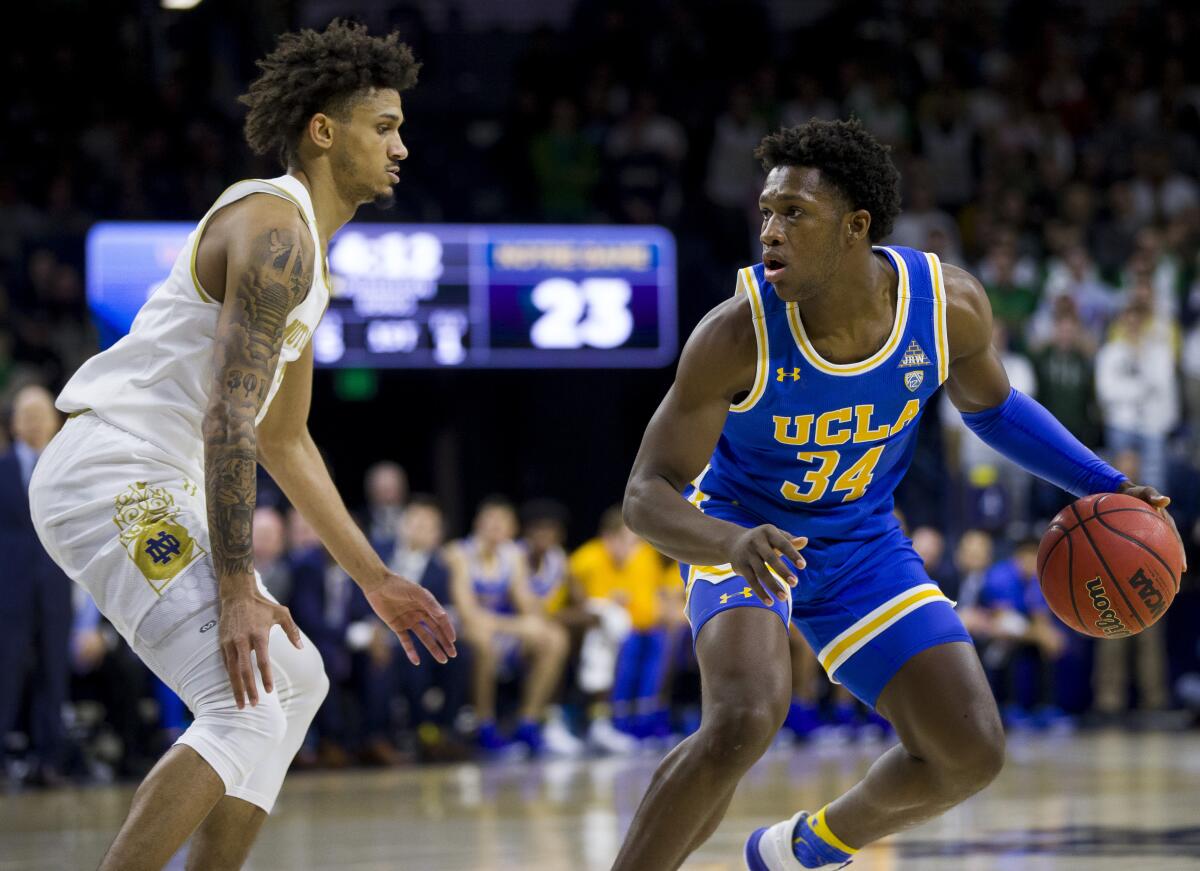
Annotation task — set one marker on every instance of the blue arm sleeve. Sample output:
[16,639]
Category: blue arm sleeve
[1030,436]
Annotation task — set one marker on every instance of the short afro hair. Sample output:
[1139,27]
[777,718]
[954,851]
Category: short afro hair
[849,157]
[311,72]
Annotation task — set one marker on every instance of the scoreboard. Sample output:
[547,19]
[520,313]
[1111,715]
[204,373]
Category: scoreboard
[446,295]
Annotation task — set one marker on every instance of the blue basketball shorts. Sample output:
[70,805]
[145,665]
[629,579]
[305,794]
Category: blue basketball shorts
[863,626]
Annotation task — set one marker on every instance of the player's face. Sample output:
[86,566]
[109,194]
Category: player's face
[421,528]
[496,525]
[803,231]
[366,158]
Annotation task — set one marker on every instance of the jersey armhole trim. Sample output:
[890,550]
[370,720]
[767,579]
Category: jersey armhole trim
[747,280]
[940,331]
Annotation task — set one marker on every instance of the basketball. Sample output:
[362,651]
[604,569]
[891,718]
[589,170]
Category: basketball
[1109,565]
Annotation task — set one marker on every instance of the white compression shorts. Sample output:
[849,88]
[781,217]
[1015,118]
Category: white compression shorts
[127,522]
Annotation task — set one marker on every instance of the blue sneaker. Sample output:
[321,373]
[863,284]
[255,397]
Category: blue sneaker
[489,737]
[770,849]
[529,734]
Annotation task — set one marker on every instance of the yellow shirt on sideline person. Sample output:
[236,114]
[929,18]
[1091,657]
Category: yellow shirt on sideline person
[635,582]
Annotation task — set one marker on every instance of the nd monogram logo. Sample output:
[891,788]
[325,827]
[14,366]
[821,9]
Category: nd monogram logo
[162,548]
[782,373]
[152,534]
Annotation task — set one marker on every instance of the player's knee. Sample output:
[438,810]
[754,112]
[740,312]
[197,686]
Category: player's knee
[976,759]
[311,683]
[734,736]
[986,757]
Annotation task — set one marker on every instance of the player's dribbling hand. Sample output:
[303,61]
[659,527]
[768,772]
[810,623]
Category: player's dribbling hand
[407,607]
[243,626]
[1159,503]
[757,552]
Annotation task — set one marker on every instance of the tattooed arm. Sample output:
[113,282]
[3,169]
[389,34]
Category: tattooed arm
[268,272]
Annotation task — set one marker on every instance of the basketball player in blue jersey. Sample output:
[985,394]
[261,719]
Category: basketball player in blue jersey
[793,416]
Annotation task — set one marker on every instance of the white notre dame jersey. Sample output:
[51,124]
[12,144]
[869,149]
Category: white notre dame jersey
[155,382]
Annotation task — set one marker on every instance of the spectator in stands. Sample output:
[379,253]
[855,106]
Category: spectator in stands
[922,219]
[35,599]
[107,672]
[997,490]
[565,164]
[1190,368]
[319,595]
[1066,387]
[732,180]
[930,546]
[597,627]
[502,623]
[972,559]
[270,552]
[434,694]
[643,156]
[808,101]
[1019,638]
[386,488]
[1013,298]
[1073,283]
[618,566]
[1136,388]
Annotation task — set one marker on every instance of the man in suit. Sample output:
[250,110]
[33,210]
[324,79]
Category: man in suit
[35,597]
[419,536]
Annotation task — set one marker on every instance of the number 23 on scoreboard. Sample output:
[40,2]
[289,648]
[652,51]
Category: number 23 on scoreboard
[593,312]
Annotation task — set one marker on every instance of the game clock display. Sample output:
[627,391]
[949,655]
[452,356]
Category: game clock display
[447,295]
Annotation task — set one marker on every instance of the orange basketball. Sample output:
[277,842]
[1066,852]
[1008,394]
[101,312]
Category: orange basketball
[1109,565]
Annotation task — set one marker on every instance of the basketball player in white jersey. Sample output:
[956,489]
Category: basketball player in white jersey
[146,496]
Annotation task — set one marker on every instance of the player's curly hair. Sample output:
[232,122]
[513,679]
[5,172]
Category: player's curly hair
[310,72]
[849,157]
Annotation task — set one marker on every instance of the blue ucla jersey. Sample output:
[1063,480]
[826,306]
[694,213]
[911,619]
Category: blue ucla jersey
[817,448]
[492,575]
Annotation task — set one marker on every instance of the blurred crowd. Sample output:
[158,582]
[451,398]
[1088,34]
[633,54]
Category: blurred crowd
[1052,149]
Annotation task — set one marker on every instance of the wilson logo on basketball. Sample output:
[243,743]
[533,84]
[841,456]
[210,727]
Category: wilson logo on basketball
[1107,620]
[1148,593]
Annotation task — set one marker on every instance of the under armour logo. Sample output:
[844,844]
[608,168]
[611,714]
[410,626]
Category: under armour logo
[745,594]
[162,548]
[782,373]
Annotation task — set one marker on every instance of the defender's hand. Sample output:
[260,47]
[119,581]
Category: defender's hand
[407,607]
[1159,503]
[243,626]
[755,552]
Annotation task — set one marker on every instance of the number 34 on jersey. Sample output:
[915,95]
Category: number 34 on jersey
[848,471]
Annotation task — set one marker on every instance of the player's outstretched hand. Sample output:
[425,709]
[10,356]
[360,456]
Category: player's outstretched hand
[243,626]
[757,552]
[408,607]
[1159,503]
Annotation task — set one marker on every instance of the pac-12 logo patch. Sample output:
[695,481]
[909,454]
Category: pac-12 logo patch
[912,380]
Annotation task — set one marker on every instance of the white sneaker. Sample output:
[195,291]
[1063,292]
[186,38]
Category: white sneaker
[607,738]
[770,849]
[558,740]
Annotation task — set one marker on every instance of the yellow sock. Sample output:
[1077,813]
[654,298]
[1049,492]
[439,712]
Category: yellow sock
[821,829]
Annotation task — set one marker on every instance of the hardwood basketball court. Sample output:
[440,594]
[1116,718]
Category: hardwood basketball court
[1094,802]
